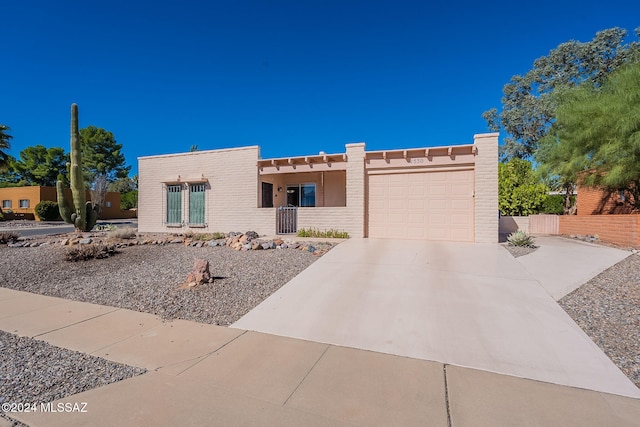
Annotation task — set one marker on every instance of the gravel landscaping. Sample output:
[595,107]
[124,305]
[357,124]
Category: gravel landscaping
[518,251]
[148,278]
[607,308]
[151,278]
[35,372]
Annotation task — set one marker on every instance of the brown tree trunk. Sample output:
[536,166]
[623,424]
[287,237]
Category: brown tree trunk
[569,208]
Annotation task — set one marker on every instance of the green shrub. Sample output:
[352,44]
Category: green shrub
[91,251]
[129,200]
[520,191]
[554,204]
[205,236]
[7,215]
[47,210]
[105,227]
[313,232]
[520,238]
[8,237]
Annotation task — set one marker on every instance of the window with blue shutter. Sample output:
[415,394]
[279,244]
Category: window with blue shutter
[174,204]
[196,204]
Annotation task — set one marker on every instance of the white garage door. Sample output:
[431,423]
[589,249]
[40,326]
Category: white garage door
[424,205]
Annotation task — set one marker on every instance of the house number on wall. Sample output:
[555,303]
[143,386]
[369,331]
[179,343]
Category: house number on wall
[417,161]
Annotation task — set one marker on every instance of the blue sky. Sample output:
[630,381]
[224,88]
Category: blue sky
[293,76]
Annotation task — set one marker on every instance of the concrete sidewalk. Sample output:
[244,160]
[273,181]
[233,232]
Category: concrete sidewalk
[209,375]
[464,304]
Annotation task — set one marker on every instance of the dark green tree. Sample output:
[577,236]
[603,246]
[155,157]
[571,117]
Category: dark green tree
[4,145]
[596,135]
[528,104]
[128,189]
[39,165]
[102,155]
[123,185]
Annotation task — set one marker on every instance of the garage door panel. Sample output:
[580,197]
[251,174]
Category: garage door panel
[437,190]
[461,204]
[437,204]
[461,190]
[416,204]
[424,205]
[459,219]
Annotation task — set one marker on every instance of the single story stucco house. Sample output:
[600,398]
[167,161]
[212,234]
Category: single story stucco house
[435,193]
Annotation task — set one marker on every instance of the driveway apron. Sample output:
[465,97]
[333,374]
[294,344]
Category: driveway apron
[465,304]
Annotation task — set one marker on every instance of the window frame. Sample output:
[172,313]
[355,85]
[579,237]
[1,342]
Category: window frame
[202,187]
[299,187]
[266,189]
[24,205]
[168,210]
[7,202]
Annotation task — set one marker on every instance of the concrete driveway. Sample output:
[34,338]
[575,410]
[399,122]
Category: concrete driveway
[465,304]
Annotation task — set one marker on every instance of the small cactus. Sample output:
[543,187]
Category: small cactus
[83,215]
[520,238]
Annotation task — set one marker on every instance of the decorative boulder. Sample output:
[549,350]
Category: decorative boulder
[200,273]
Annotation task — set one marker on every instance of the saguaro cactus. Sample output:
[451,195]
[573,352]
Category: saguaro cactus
[83,215]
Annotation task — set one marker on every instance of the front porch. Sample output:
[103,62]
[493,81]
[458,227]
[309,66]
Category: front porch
[305,192]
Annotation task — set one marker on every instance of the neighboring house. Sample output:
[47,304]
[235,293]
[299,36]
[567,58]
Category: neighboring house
[596,201]
[437,193]
[608,214]
[22,201]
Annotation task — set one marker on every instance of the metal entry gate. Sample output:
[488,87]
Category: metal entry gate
[287,220]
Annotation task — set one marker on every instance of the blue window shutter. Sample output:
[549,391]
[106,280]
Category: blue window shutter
[174,204]
[196,204]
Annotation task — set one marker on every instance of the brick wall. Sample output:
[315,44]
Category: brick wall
[595,201]
[486,188]
[619,229]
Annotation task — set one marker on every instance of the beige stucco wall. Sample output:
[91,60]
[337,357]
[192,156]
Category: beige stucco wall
[510,224]
[355,215]
[234,191]
[231,196]
[486,188]
[324,219]
[335,188]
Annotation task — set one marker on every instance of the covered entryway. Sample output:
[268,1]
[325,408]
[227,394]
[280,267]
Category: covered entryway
[431,205]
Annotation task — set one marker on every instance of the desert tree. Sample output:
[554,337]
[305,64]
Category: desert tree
[596,135]
[528,102]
